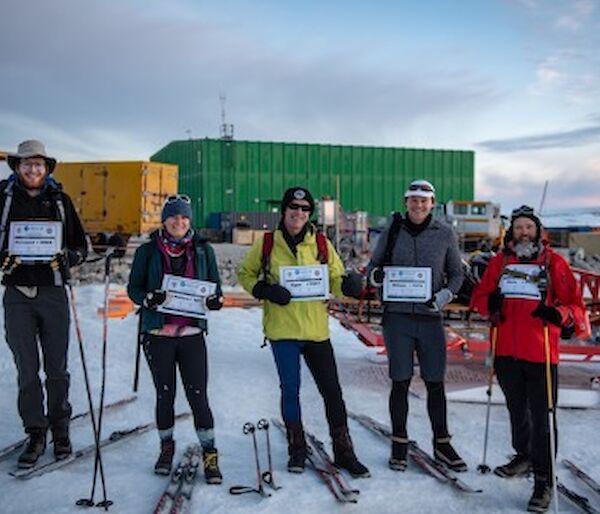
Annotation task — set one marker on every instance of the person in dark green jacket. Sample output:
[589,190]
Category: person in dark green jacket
[172,340]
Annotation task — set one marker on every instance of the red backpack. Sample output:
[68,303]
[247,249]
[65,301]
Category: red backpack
[267,248]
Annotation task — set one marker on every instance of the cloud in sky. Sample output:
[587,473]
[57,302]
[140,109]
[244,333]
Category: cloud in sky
[565,139]
[118,80]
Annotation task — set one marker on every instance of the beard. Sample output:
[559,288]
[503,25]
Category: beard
[526,250]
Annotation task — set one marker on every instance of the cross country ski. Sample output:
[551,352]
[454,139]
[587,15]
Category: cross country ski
[321,463]
[578,500]
[177,495]
[582,475]
[11,448]
[419,456]
[115,437]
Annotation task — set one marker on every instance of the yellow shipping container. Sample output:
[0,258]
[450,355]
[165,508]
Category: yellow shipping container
[118,197]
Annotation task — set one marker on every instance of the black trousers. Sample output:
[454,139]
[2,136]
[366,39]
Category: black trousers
[42,321]
[524,386]
[164,355]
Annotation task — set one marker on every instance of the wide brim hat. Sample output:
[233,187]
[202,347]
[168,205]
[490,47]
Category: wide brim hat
[27,149]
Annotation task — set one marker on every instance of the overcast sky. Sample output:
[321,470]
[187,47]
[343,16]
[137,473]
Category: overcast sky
[518,81]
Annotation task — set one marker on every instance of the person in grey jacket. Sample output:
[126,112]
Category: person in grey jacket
[421,256]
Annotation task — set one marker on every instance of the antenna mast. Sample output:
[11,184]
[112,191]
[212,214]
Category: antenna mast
[226,128]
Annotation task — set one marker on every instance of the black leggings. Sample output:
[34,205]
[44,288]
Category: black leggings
[436,407]
[189,353]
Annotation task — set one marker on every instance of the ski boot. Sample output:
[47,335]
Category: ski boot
[212,474]
[519,465]
[445,453]
[542,495]
[165,459]
[296,447]
[344,456]
[62,444]
[398,460]
[36,446]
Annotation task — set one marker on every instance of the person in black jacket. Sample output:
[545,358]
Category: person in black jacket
[36,308]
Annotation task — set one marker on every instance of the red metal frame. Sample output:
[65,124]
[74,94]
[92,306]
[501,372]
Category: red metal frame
[461,347]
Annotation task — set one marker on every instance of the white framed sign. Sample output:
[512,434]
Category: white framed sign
[306,283]
[521,281]
[186,296]
[35,240]
[406,284]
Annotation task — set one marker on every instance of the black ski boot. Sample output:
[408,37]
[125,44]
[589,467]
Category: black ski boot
[212,474]
[518,466]
[296,447]
[165,459]
[62,444]
[398,460]
[542,495]
[36,446]
[344,456]
[445,453]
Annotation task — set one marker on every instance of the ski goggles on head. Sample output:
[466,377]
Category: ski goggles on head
[421,188]
[176,198]
[303,208]
[524,210]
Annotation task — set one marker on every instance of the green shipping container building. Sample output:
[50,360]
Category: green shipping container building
[228,175]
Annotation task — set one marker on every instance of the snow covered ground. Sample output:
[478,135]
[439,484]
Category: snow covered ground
[243,387]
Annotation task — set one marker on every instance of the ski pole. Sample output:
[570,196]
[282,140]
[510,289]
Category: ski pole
[249,428]
[136,372]
[105,502]
[483,468]
[267,476]
[85,502]
[551,412]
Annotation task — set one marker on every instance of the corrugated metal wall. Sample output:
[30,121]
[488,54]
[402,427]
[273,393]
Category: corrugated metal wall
[225,175]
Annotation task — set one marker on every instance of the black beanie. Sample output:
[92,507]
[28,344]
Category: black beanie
[523,212]
[297,193]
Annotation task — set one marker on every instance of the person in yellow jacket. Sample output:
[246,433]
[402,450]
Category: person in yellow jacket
[297,327]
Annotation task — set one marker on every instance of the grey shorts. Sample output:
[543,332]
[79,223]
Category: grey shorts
[406,333]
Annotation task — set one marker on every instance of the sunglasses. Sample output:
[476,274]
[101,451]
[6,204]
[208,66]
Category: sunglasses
[176,198]
[421,187]
[303,208]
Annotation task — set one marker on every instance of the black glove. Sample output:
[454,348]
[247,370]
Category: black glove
[8,262]
[155,298]
[376,277]
[352,284]
[272,292]
[495,301]
[548,313]
[214,302]
[73,258]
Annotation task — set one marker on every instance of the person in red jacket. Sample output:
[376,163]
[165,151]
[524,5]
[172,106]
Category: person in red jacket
[524,289]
